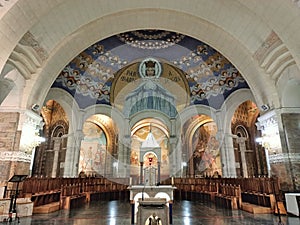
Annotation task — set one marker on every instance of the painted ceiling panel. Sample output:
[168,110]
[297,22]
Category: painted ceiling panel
[210,76]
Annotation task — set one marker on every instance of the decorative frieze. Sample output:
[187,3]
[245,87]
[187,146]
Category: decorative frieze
[16,156]
[284,158]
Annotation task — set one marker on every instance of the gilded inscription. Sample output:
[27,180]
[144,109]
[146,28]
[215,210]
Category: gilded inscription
[129,76]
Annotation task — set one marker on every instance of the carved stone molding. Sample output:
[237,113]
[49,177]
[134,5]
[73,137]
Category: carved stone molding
[284,158]
[273,56]
[15,156]
[269,119]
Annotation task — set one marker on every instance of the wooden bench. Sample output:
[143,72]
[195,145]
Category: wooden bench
[47,208]
[229,196]
[256,209]
[44,198]
[261,203]
[261,199]
[69,202]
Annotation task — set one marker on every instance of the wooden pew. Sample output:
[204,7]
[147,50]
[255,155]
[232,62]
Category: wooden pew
[229,196]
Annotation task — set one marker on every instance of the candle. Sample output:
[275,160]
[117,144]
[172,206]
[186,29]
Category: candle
[130,181]
[172,180]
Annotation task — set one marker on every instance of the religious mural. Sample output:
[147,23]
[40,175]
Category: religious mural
[150,85]
[90,77]
[206,154]
[93,150]
[151,70]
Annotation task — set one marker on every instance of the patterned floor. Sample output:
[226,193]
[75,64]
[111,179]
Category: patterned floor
[184,213]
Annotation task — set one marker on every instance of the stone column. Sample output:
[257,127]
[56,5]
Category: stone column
[289,159]
[280,137]
[270,140]
[158,172]
[72,154]
[141,172]
[121,167]
[8,134]
[29,126]
[188,158]
[126,146]
[175,150]
[56,149]
[224,138]
[242,148]
[175,158]
[227,157]
[19,135]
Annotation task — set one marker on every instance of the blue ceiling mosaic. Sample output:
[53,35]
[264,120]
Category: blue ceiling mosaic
[89,76]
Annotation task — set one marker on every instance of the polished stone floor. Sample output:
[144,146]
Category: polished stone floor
[184,213]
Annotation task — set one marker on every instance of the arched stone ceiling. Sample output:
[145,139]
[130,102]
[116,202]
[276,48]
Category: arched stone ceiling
[64,28]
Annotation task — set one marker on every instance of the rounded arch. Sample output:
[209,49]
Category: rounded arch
[224,117]
[231,104]
[201,149]
[69,105]
[139,195]
[163,195]
[106,110]
[152,157]
[156,122]
[239,56]
[155,115]
[59,130]
[121,124]
[149,152]
[195,110]
[241,131]
[195,125]
[98,120]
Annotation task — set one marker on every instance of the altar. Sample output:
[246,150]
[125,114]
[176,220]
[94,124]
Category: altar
[148,201]
[151,203]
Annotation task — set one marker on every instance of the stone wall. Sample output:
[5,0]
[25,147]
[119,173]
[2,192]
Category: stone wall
[12,161]
[291,127]
[8,139]
[8,131]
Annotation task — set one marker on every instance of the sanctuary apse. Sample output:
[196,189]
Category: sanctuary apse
[106,101]
[212,87]
[150,105]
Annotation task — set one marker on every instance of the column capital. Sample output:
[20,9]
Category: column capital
[269,119]
[30,124]
[30,118]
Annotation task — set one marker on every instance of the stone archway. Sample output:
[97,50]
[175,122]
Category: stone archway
[150,148]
